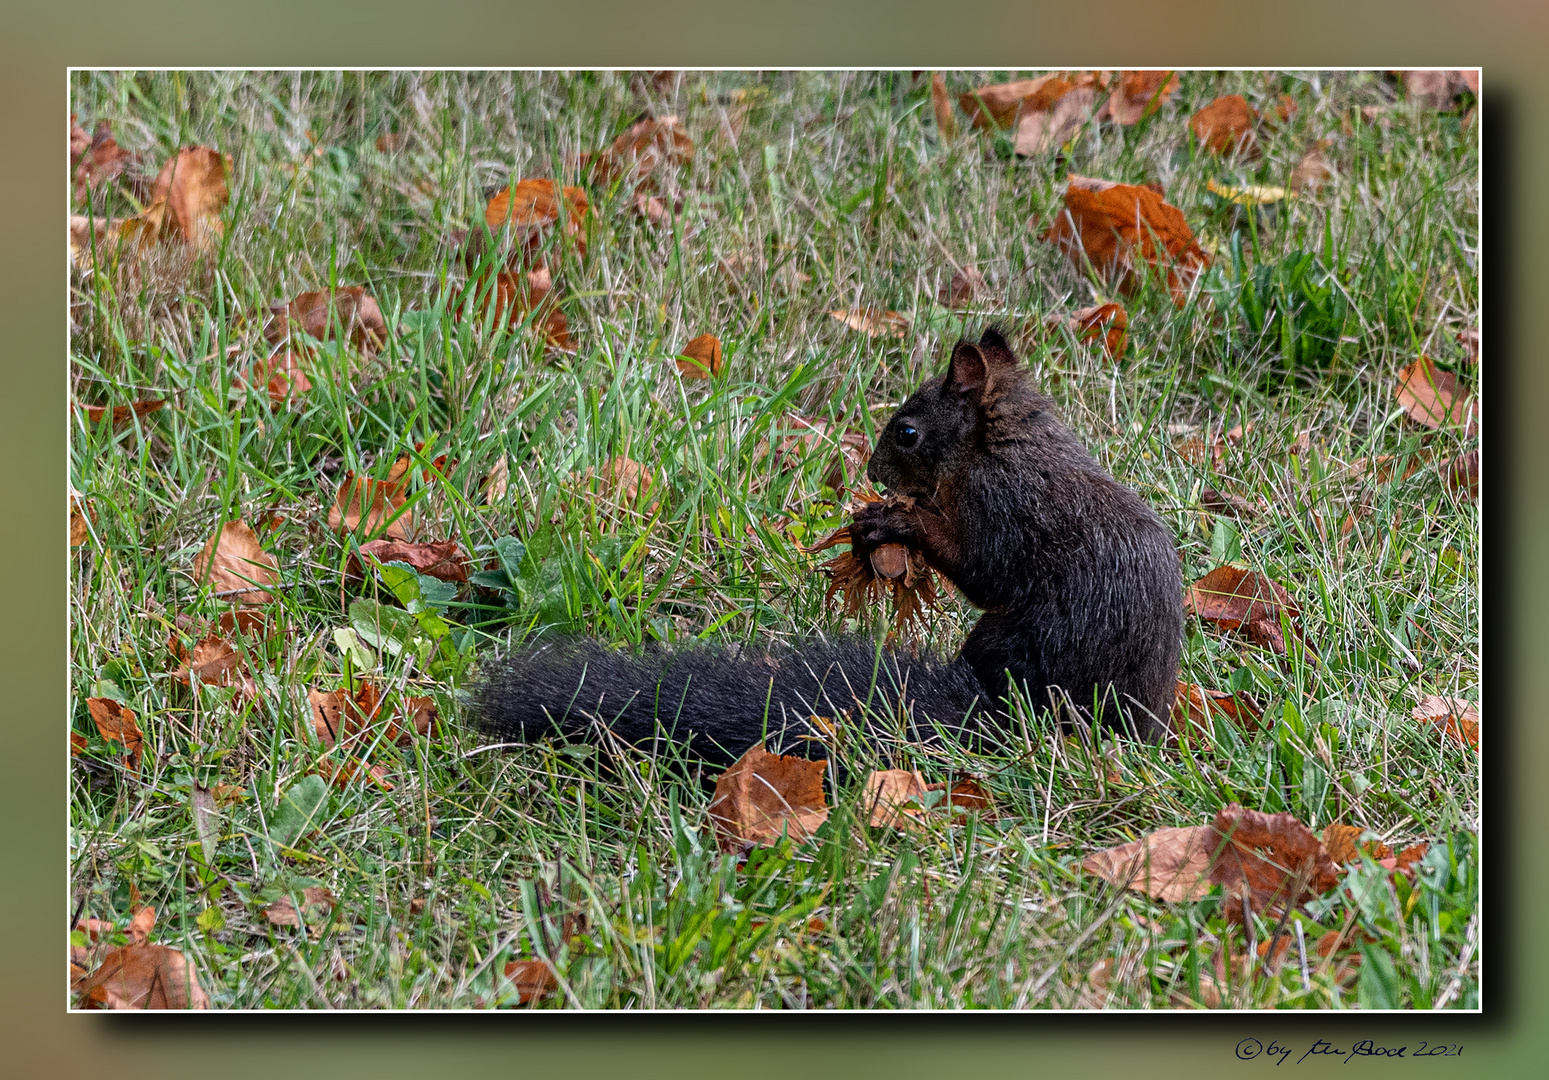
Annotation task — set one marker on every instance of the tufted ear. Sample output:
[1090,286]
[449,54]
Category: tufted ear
[968,369]
[995,348]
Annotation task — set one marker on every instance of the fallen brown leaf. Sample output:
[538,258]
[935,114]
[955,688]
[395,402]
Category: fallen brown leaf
[1195,704]
[1436,89]
[1140,94]
[1168,864]
[529,208]
[1272,861]
[342,773]
[874,322]
[122,414]
[143,976]
[1235,598]
[1225,126]
[325,313]
[1469,339]
[214,662]
[941,103]
[116,723]
[1343,844]
[1107,322]
[533,979]
[282,376]
[79,529]
[1117,227]
[192,184]
[624,481]
[701,358]
[998,105]
[368,507]
[440,559]
[1433,396]
[1454,717]
[101,161]
[1314,169]
[1038,131]
[637,153]
[236,566]
[886,794]
[317,904]
[512,297]
[78,744]
[763,796]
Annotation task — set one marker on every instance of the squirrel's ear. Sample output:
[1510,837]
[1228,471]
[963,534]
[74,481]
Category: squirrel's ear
[995,348]
[968,369]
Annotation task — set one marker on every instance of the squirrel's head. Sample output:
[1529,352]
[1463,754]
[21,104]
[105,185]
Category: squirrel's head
[944,418]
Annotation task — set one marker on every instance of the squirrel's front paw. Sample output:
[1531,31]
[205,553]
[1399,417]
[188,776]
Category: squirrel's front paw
[883,523]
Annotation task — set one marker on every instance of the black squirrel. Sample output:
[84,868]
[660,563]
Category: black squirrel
[1079,582]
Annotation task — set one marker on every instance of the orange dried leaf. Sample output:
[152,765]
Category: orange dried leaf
[530,207]
[533,979]
[1235,598]
[1038,131]
[941,103]
[236,566]
[873,322]
[624,481]
[701,358]
[1268,861]
[192,185]
[440,559]
[647,144]
[1344,844]
[1314,169]
[317,904]
[1108,322]
[122,414]
[1195,705]
[1225,126]
[1126,231]
[763,796]
[1433,396]
[100,161]
[369,507]
[327,314]
[1461,474]
[79,529]
[1140,94]
[116,723]
[998,105]
[143,976]
[886,795]
[1454,717]
[1168,864]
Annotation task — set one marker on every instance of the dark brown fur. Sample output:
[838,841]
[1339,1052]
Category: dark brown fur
[1078,579]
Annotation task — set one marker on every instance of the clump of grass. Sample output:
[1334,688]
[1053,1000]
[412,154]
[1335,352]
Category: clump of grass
[835,192]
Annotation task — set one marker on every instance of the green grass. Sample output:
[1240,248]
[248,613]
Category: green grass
[838,193]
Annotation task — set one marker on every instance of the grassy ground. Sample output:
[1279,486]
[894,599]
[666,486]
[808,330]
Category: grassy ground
[838,193]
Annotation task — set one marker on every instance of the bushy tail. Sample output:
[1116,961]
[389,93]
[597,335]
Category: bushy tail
[717,703]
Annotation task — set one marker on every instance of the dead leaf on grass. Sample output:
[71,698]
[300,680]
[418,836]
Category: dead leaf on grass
[887,793]
[941,103]
[1461,474]
[1140,94]
[1168,864]
[1433,396]
[1126,231]
[325,313]
[1438,89]
[639,151]
[282,376]
[439,559]
[79,529]
[1454,717]
[1251,195]
[192,184]
[122,414]
[1225,126]
[533,979]
[1272,861]
[116,723]
[623,481]
[508,302]
[1039,131]
[701,358]
[1195,705]
[529,208]
[1236,598]
[763,796]
[368,507]
[873,322]
[812,436]
[317,904]
[1314,169]
[143,976]
[100,161]
[1106,322]
[236,566]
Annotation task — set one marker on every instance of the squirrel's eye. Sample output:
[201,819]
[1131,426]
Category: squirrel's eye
[907,435]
